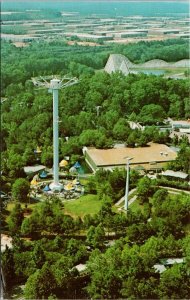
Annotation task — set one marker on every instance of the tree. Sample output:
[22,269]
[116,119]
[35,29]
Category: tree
[158,197]
[15,162]
[90,234]
[47,156]
[8,266]
[41,284]
[144,189]
[38,255]
[106,209]
[24,265]
[151,114]
[26,227]
[121,129]
[182,161]
[15,219]
[106,274]
[175,283]
[62,272]
[99,236]
[133,138]
[93,137]
[20,189]
[104,189]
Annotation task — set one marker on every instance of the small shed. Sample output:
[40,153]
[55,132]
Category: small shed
[32,170]
[173,174]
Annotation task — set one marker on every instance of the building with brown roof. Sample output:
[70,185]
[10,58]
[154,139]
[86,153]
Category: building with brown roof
[152,157]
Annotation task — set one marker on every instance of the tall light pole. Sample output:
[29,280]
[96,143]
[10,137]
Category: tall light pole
[127,184]
[54,84]
[98,110]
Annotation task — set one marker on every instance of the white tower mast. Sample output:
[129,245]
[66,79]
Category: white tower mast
[127,184]
[54,85]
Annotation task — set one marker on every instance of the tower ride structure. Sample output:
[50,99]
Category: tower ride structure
[54,84]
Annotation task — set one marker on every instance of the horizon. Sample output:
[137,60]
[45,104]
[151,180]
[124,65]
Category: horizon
[62,1]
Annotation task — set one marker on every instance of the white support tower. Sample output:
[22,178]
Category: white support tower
[127,184]
[54,84]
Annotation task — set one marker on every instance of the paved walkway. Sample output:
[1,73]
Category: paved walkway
[174,190]
[169,189]
[123,198]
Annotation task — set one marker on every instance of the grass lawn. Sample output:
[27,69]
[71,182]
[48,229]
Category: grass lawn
[11,205]
[88,204]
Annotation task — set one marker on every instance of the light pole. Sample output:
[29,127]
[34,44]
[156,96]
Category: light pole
[98,110]
[54,85]
[127,184]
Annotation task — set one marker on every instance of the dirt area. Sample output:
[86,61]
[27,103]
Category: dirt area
[92,44]
[136,40]
[20,44]
[5,240]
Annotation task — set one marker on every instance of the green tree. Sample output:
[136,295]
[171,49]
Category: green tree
[151,114]
[62,272]
[41,284]
[20,189]
[144,189]
[106,274]
[175,283]
[121,129]
[38,255]
[8,266]
[15,219]
[158,197]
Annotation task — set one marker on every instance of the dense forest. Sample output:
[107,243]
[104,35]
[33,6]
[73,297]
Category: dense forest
[57,243]
[44,58]
[94,112]
[143,98]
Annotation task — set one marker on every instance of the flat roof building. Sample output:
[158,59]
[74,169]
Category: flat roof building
[152,157]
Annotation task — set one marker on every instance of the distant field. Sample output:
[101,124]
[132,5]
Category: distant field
[88,204]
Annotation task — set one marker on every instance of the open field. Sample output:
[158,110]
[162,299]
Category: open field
[89,204]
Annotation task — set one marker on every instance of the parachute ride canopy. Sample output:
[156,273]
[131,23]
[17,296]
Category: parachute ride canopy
[73,170]
[46,188]
[68,187]
[34,182]
[37,150]
[43,174]
[77,165]
[63,163]
[75,181]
